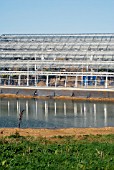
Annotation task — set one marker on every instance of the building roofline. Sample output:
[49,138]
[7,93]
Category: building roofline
[77,34]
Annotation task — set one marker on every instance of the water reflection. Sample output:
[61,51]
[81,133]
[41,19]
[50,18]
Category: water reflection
[8,107]
[46,110]
[55,108]
[105,115]
[36,105]
[26,109]
[55,113]
[85,113]
[94,111]
[75,109]
[64,108]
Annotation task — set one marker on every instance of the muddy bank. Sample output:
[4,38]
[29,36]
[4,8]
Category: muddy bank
[56,132]
[69,94]
[56,97]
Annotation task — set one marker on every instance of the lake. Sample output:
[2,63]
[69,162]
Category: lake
[40,113]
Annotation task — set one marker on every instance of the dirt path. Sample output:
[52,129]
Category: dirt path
[56,132]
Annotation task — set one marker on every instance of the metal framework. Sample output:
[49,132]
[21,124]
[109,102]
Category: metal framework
[26,58]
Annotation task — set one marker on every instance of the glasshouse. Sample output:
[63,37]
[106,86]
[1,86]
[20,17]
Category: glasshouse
[57,60]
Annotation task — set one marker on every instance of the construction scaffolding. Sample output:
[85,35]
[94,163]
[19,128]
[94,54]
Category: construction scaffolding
[69,60]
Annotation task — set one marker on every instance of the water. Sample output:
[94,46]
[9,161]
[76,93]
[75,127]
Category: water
[55,113]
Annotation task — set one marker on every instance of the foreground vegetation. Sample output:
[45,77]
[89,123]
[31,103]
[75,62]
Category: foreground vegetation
[60,153]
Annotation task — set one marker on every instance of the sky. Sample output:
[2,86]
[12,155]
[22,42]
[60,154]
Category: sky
[56,16]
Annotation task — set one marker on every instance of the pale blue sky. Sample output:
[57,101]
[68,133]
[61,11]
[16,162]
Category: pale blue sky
[56,16]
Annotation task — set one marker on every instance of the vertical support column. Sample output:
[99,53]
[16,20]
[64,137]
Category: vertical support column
[35,67]
[47,80]
[76,81]
[81,80]
[56,82]
[19,78]
[28,75]
[106,83]
[0,80]
[27,79]
[42,57]
[65,81]
[9,80]
[35,72]
[35,80]
[96,81]
[85,81]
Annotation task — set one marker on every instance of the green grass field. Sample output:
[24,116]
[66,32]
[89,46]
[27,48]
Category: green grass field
[58,153]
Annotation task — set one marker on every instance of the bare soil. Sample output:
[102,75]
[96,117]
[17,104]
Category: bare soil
[57,97]
[48,133]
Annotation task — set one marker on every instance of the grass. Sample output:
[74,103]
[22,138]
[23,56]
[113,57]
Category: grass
[60,153]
